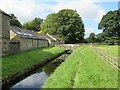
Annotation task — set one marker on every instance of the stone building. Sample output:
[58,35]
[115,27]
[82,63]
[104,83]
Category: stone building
[4,33]
[53,40]
[14,39]
[22,40]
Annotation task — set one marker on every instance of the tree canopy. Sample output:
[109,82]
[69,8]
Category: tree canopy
[34,24]
[67,24]
[92,38]
[110,24]
[14,21]
[50,24]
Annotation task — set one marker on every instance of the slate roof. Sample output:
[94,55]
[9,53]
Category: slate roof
[26,33]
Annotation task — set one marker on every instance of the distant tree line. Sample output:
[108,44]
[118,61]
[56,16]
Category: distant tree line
[34,24]
[31,25]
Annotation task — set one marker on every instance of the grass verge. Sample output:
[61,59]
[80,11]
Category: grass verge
[18,62]
[83,69]
[111,49]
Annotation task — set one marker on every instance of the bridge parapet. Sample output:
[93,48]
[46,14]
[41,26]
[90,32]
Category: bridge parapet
[69,46]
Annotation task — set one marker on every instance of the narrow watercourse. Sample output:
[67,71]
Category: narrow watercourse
[41,67]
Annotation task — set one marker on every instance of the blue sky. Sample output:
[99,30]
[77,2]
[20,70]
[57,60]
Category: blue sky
[91,11]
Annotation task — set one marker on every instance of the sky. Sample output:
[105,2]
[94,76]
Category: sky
[91,11]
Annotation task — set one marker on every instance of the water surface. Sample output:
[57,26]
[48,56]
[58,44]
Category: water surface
[36,80]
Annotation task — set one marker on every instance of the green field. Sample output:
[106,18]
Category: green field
[18,62]
[83,69]
[111,49]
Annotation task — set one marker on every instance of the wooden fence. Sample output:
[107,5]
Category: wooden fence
[108,57]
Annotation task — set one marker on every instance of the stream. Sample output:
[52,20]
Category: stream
[35,80]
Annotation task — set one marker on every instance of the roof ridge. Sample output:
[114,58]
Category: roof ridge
[51,36]
[1,11]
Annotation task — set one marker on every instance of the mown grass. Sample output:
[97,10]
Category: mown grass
[94,72]
[64,74]
[111,49]
[18,62]
[83,69]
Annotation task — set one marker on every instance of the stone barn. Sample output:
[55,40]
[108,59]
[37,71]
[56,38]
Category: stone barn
[53,40]
[14,39]
[0,45]
[22,40]
[4,32]
[58,40]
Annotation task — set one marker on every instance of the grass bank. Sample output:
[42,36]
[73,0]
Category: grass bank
[83,69]
[111,49]
[20,61]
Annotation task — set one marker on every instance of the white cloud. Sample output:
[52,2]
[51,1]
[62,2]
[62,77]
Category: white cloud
[88,31]
[25,10]
[100,15]
[22,9]
[78,0]
[89,10]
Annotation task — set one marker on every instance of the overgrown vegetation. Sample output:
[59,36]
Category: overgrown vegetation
[18,62]
[83,69]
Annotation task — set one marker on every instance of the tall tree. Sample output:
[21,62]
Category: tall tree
[110,23]
[14,21]
[71,26]
[67,24]
[34,24]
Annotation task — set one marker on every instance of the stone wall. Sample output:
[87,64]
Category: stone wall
[26,44]
[5,26]
[5,46]
[0,34]
[14,47]
[5,21]
[29,43]
[1,24]
[42,43]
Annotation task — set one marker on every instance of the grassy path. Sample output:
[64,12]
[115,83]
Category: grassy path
[18,62]
[94,72]
[83,69]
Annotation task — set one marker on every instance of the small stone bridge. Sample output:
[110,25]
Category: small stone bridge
[69,46]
